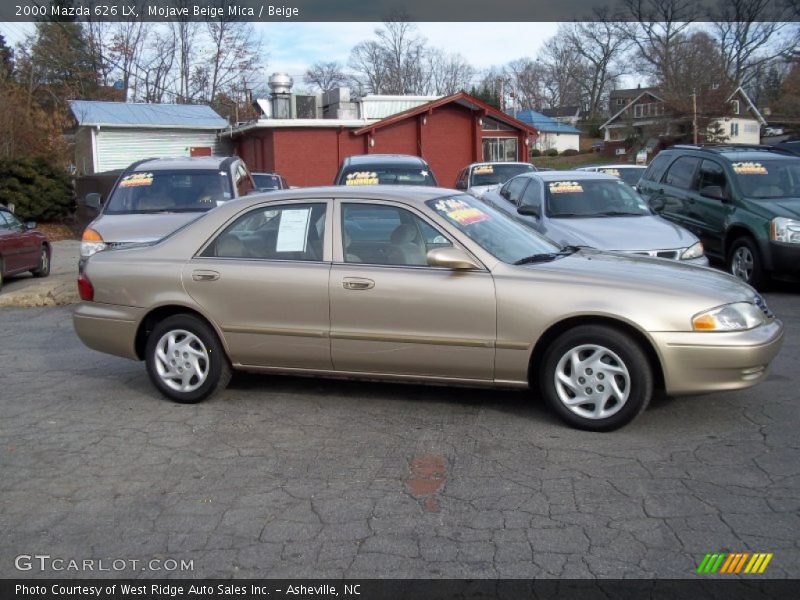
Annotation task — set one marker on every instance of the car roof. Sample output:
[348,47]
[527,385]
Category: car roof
[183,163]
[271,173]
[384,159]
[498,162]
[563,175]
[622,166]
[731,152]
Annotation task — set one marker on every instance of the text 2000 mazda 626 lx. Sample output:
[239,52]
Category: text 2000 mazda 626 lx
[420,284]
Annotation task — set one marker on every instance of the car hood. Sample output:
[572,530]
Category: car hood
[480,190]
[133,228]
[620,233]
[787,207]
[662,278]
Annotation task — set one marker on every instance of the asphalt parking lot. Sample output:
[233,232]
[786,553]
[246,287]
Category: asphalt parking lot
[289,477]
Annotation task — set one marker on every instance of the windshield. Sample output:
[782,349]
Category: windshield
[266,182]
[494,174]
[593,198]
[768,179]
[377,175]
[169,191]
[493,231]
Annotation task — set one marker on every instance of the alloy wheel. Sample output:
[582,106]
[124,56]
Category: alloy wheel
[742,263]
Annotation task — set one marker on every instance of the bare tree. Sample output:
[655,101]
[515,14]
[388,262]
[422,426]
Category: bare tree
[600,46]
[156,71]
[657,33]
[325,75]
[750,34]
[369,67]
[447,73]
[127,45]
[527,78]
[185,33]
[235,55]
[561,71]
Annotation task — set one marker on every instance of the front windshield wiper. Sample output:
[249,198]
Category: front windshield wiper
[549,256]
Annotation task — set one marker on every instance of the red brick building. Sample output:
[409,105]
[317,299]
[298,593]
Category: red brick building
[448,133]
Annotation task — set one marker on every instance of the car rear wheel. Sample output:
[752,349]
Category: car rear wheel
[2,266]
[744,262]
[596,378]
[185,359]
[43,268]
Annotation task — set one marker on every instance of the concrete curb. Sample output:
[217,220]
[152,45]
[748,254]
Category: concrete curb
[57,289]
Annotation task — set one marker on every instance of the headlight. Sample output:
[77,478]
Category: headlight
[693,251]
[91,243]
[731,317]
[785,230]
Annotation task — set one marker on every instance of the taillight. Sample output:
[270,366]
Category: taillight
[85,288]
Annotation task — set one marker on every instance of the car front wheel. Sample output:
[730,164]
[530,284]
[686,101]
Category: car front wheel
[745,262]
[596,378]
[43,267]
[185,359]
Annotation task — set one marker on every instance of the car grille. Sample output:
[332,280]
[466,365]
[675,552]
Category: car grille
[760,303]
[671,254]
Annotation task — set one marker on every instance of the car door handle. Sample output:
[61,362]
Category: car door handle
[357,283]
[205,275]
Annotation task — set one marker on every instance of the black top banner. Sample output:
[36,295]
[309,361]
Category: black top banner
[380,10]
[406,589]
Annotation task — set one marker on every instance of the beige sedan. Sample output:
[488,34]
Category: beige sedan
[424,285]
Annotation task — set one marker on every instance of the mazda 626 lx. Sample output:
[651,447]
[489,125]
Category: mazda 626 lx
[420,284]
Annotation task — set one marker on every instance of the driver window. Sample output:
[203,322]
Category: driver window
[378,234]
[532,195]
[514,189]
[711,174]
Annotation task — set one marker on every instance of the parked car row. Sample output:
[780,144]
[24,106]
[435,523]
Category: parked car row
[552,280]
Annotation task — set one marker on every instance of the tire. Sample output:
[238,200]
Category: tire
[209,370]
[614,357]
[745,263]
[1,274]
[43,269]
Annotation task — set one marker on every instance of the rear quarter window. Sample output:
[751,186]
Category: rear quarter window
[656,169]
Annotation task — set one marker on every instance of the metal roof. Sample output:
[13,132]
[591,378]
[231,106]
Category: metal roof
[374,106]
[543,123]
[135,114]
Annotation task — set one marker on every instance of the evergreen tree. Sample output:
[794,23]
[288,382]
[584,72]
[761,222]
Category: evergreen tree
[6,59]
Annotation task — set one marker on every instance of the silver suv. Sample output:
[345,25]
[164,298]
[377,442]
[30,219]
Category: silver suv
[153,197]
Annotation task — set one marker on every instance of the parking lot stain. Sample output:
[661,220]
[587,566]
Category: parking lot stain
[426,478]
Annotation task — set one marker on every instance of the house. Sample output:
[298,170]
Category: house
[569,115]
[448,132]
[644,113]
[112,135]
[552,133]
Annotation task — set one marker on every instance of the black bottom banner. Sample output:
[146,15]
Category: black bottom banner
[416,589]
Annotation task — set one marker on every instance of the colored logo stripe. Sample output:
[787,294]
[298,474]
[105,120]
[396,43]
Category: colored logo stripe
[733,562]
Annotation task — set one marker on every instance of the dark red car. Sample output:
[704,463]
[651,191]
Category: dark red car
[22,248]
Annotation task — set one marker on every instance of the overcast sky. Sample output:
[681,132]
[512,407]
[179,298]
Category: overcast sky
[292,47]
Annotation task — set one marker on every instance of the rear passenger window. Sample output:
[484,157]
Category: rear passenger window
[514,188]
[681,173]
[711,174]
[379,234]
[657,168]
[289,232]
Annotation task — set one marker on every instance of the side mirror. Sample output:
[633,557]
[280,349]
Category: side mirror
[529,210]
[451,258]
[30,225]
[657,204]
[93,200]
[712,191]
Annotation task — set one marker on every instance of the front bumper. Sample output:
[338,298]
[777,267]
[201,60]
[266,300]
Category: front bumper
[785,258]
[698,362]
[108,328]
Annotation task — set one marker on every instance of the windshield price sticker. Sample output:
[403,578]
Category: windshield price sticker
[614,172]
[136,180]
[749,168]
[461,212]
[362,178]
[565,187]
[483,170]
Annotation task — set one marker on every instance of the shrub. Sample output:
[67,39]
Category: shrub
[38,190]
[551,152]
[569,152]
[535,152]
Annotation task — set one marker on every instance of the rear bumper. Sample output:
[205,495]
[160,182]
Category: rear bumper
[698,362]
[108,328]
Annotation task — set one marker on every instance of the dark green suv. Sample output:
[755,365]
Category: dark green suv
[743,202]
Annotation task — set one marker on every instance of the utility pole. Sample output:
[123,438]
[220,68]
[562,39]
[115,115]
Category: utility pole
[694,116]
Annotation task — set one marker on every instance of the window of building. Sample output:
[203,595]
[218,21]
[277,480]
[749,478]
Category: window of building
[499,149]
[735,107]
[490,124]
[734,129]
